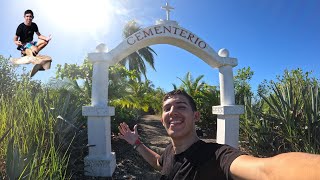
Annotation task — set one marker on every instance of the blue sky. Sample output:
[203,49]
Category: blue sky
[267,35]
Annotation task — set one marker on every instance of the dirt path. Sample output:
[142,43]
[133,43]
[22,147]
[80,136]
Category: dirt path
[153,133]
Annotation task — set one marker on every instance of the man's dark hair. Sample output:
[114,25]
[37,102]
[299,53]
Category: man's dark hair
[28,11]
[183,93]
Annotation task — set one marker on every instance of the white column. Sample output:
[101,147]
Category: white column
[100,76]
[227,96]
[228,124]
[228,113]
[100,161]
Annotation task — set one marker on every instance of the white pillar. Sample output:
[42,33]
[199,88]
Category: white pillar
[228,124]
[227,96]
[100,161]
[228,113]
[100,76]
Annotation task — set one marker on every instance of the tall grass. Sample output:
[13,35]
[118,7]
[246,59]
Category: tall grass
[29,150]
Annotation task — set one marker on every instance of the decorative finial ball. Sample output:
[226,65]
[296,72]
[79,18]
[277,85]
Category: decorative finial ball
[223,52]
[101,48]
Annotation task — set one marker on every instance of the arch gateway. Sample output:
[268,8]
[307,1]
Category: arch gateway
[101,161]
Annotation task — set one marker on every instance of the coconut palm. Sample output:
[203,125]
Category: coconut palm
[192,86]
[136,60]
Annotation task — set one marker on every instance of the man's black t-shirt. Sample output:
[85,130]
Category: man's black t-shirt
[199,162]
[26,33]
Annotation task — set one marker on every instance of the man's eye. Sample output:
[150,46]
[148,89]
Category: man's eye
[166,109]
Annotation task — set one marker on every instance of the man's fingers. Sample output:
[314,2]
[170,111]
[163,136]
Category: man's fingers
[120,136]
[121,129]
[124,127]
[135,129]
[49,38]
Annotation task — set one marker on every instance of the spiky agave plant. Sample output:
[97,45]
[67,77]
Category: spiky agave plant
[292,111]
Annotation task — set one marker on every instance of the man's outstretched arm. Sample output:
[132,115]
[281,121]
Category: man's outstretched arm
[131,137]
[150,156]
[45,38]
[290,166]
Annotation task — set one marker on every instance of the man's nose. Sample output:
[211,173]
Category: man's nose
[172,111]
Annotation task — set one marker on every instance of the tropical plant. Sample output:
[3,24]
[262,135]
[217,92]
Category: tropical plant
[72,74]
[242,86]
[287,116]
[8,77]
[138,96]
[191,86]
[136,60]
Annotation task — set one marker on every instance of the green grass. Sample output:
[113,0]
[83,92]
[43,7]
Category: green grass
[29,148]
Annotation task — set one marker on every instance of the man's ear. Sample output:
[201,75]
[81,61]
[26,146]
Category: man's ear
[197,116]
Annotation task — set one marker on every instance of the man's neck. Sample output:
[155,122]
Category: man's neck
[180,146]
[27,24]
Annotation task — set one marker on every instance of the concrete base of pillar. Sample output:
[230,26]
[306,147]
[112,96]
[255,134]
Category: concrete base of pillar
[228,130]
[99,166]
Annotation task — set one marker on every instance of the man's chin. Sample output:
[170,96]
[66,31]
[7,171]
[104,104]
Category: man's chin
[174,134]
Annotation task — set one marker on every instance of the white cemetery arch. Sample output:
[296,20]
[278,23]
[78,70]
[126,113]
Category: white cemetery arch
[101,161]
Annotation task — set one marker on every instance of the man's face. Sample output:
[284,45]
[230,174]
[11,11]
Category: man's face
[28,18]
[178,118]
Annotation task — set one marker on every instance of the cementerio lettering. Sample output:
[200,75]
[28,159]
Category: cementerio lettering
[158,30]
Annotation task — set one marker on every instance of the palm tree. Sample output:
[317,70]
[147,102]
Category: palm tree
[139,96]
[136,61]
[192,86]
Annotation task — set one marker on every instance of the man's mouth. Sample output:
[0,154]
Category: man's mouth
[175,122]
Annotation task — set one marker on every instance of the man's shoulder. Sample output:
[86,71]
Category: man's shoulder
[216,149]
[210,144]
[34,24]
[21,25]
[217,145]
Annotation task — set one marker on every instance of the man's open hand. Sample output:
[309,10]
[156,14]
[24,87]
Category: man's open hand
[127,134]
